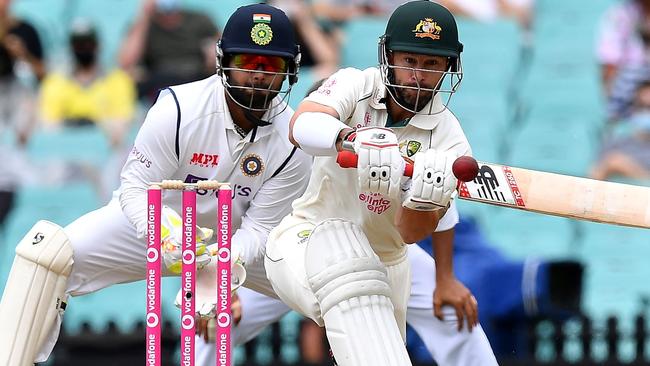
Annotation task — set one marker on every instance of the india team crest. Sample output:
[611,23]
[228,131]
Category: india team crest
[252,165]
[261,34]
[427,28]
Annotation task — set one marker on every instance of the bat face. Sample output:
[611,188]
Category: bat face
[560,195]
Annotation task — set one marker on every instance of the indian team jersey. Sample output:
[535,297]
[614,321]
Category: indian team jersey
[189,135]
[358,98]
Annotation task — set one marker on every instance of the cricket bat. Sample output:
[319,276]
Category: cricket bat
[550,193]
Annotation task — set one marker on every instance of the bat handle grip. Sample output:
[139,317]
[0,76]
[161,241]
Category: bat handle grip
[348,159]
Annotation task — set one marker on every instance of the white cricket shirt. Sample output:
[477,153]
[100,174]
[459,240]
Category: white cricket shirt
[188,135]
[332,191]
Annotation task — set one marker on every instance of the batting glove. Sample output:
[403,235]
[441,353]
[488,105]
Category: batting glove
[433,184]
[380,165]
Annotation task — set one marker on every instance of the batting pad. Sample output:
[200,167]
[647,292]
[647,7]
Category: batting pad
[34,295]
[351,286]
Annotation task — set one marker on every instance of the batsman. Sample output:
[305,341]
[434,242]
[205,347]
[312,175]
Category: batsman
[341,257]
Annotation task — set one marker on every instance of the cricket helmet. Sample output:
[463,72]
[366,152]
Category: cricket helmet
[427,28]
[259,29]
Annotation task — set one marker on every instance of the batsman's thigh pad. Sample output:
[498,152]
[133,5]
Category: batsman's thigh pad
[399,278]
[352,288]
[34,296]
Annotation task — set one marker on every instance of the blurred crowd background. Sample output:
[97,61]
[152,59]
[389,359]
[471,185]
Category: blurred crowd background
[553,85]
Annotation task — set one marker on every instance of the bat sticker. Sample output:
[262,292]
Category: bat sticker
[494,183]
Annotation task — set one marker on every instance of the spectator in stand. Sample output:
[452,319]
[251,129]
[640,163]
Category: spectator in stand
[19,42]
[334,13]
[340,11]
[624,58]
[17,117]
[318,48]
[623,51]
[89,95]
[620,43]
[168,45]
[629,155]
[489,10]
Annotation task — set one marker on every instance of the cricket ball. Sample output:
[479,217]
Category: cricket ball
[465,168]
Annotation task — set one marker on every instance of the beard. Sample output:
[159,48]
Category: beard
[255,99]
[411,98]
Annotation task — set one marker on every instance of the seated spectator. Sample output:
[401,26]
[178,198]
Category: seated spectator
[334,13]
[168,45]
[522,10]
[91,96]
[620,44]
[88,95]
[629,155]
[620,101]
[17,117]
[318,49]
[624,77]
[339,11]
[19,43]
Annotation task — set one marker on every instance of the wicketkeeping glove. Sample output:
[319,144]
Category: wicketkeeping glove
[171,235]
[380,165]
[433,184]
[206,298]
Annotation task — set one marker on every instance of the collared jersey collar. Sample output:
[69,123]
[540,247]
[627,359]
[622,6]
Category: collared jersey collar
[421,121]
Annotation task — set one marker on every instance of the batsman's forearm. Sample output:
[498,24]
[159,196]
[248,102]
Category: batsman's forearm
[413,225]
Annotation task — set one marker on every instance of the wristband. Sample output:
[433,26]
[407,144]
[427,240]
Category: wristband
[316,133]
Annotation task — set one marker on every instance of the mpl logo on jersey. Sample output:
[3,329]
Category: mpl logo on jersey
[204,160]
